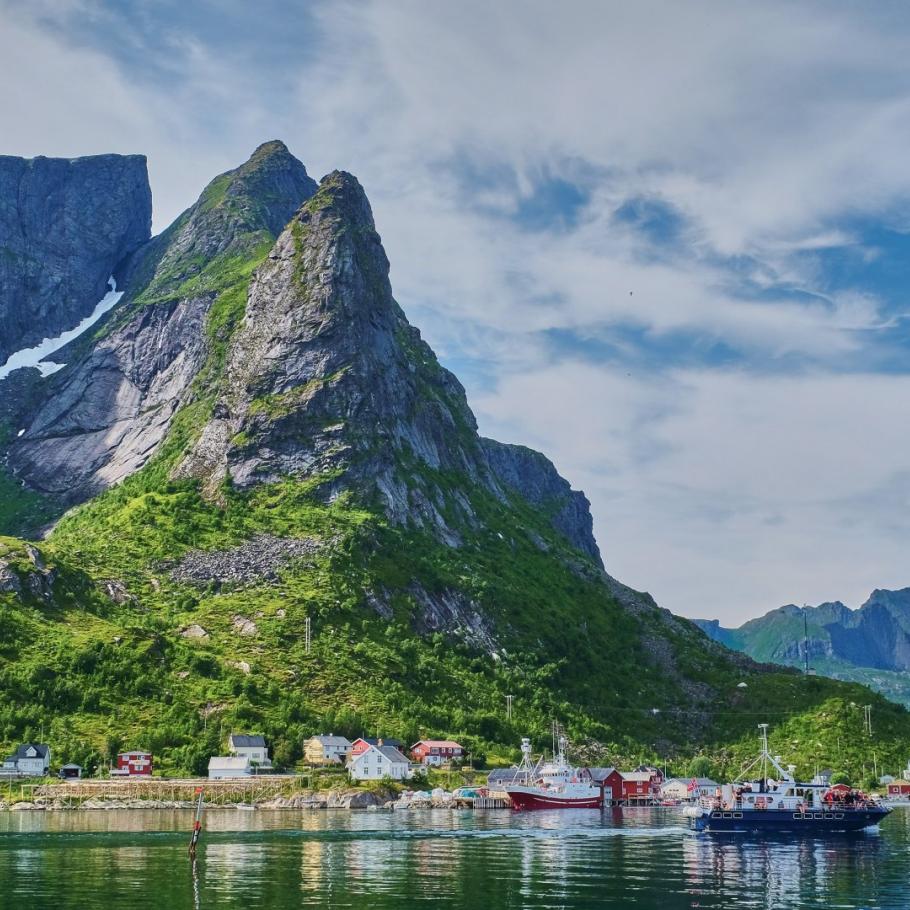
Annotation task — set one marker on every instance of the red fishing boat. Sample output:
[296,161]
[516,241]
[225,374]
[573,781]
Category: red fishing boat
[554,784]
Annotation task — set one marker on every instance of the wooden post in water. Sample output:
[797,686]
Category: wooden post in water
[197,824]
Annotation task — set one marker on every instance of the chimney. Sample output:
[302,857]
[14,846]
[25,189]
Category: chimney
[379,743]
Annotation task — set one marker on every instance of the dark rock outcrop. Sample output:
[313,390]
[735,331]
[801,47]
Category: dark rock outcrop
[101,419]
[65,227]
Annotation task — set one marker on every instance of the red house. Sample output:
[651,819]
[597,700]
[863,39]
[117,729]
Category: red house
[133,764]
[436,751]
[611,781]
[642,784]
[899,788]
[359,746]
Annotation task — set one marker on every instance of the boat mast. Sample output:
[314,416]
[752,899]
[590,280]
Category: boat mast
[764,754]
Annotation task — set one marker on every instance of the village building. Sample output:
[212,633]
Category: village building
[378,762]
[251,746]
[688,788]
[899,787]
[70,772]
[224,767]
[133,764]
[363,743]
[436,751]
[610,779]
[326,749]
[29,760]
[639,787]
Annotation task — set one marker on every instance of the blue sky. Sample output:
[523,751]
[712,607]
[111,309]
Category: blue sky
[665,243]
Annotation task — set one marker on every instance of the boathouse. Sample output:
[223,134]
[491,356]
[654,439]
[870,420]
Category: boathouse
[70,772]
[899,788]
[611,781]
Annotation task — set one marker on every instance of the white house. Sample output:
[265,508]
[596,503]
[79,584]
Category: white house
[327,749]
[222,767]
[378,762]
[253,747]
[688,787]
[29,760]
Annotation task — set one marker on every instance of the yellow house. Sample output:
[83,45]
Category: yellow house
[327,749]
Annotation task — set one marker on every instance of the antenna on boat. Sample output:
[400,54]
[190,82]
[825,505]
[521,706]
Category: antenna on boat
[764,753]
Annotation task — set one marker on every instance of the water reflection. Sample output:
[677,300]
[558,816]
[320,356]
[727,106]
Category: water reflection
[500,861]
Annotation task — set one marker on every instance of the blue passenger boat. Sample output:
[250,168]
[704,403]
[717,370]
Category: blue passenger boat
[775,802]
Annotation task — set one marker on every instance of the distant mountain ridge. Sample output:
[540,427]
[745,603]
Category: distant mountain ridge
[867,644]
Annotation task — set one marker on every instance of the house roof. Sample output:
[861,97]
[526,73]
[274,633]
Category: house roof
[71,765]
[393,754]
[374,741]
[42,749]
[229,762]
[636,776]
[390,752]
[438,744]
[246,741]
[331,740]
[601,774]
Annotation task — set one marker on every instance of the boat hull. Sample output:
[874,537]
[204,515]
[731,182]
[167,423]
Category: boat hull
[524,800]
[781,820]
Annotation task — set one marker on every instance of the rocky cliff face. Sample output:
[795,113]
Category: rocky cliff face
[65,227]
[314,368]
[106,414]
[326,377]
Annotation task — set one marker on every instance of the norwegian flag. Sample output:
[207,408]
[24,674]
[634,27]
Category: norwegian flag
[693,785]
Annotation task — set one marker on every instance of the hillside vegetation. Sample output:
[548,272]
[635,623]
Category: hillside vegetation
[321,465]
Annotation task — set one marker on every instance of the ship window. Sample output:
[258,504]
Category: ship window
[715,815]
[838,814]
[817,815]
[728,815]
[797,815]
[737,815]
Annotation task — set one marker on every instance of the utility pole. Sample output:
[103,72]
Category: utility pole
[509,699]
[867,720]
[806,636]
[307,634]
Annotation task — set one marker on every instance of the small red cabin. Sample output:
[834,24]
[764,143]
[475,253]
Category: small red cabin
[899,788]
[611,781]
[134,764]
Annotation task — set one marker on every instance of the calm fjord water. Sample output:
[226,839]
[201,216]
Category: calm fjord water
[498,860]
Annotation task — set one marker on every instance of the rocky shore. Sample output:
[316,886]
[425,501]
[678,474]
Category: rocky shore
[329,799]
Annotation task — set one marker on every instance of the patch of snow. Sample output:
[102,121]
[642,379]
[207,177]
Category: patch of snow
[21,433]
[35,357]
